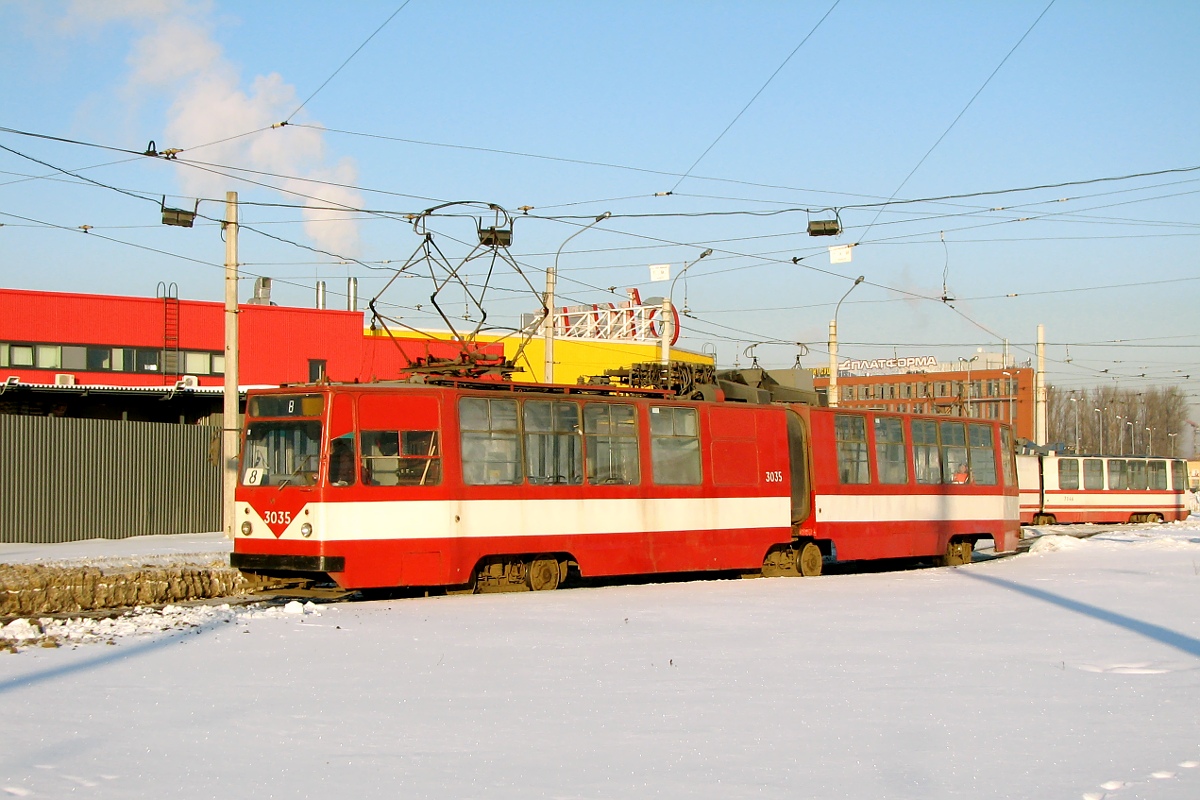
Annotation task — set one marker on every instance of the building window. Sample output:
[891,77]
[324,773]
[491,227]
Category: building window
[48,356]
[99,359]
[146,360]
[74,357]
[3,354]
[196,363]
[316,369]
[218,364]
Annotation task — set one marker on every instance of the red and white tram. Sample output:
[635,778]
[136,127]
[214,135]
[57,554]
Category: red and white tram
[1101,489]
[498,486]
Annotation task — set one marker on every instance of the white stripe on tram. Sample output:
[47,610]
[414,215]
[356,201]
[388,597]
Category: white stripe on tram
[435,519]
[915,507]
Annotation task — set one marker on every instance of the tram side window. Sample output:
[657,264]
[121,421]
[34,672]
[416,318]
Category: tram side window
[342,469]
[926,457]
[1137,476]
[983,455]
[889,450]
[553,442]
[1179,481]
[674,446]
[491,446]
[1008,456]
[954,452]
[1093,474]
[401,458]
[1156,475]
[1118,477]
[611,442]
[1068,473]
[850,430]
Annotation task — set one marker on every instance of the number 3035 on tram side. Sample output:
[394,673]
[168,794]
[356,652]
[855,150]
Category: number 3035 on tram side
[502,486]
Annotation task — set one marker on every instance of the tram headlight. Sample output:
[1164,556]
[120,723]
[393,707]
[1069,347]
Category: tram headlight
[306,530]
[247,528]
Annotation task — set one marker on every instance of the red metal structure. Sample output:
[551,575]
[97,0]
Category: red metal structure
[505,486]
[1101,489]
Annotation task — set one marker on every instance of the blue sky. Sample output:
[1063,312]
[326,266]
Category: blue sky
[580,108]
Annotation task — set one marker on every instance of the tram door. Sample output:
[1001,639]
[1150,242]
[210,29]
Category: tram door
[798,459]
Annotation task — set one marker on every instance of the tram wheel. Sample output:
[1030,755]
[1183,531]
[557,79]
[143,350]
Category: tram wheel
[543,574]
[810,560]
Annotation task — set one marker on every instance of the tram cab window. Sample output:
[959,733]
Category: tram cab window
[1068,473]
[1118,477]
[927,460]
[674,446]
[890,458]
[850,431]
[1156,475]
[553,442]
[281,453]
[1093,474]
[954,452]
[401,458]
[983,455]
[491,445]
[611,443]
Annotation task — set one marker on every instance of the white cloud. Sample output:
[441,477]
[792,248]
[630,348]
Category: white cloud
[175,53]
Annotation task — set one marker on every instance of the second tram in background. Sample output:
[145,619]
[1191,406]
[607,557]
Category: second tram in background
[1101,489]
[446,482]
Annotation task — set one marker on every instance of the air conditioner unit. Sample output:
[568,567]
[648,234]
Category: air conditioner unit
[64,379]
[188,382]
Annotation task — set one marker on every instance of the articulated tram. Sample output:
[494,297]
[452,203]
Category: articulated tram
[486,486]
[1101,489]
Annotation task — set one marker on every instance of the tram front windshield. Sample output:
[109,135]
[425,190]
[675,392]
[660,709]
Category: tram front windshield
[281,453]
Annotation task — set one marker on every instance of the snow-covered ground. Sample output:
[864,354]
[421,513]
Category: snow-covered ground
[1072,671]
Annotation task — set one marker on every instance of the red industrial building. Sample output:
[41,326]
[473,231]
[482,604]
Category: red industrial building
[89,355]
[995,389]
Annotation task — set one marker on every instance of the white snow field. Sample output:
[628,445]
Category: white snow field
[1072,671]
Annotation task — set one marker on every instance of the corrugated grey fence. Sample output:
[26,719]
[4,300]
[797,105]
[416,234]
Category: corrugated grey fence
[63,480]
